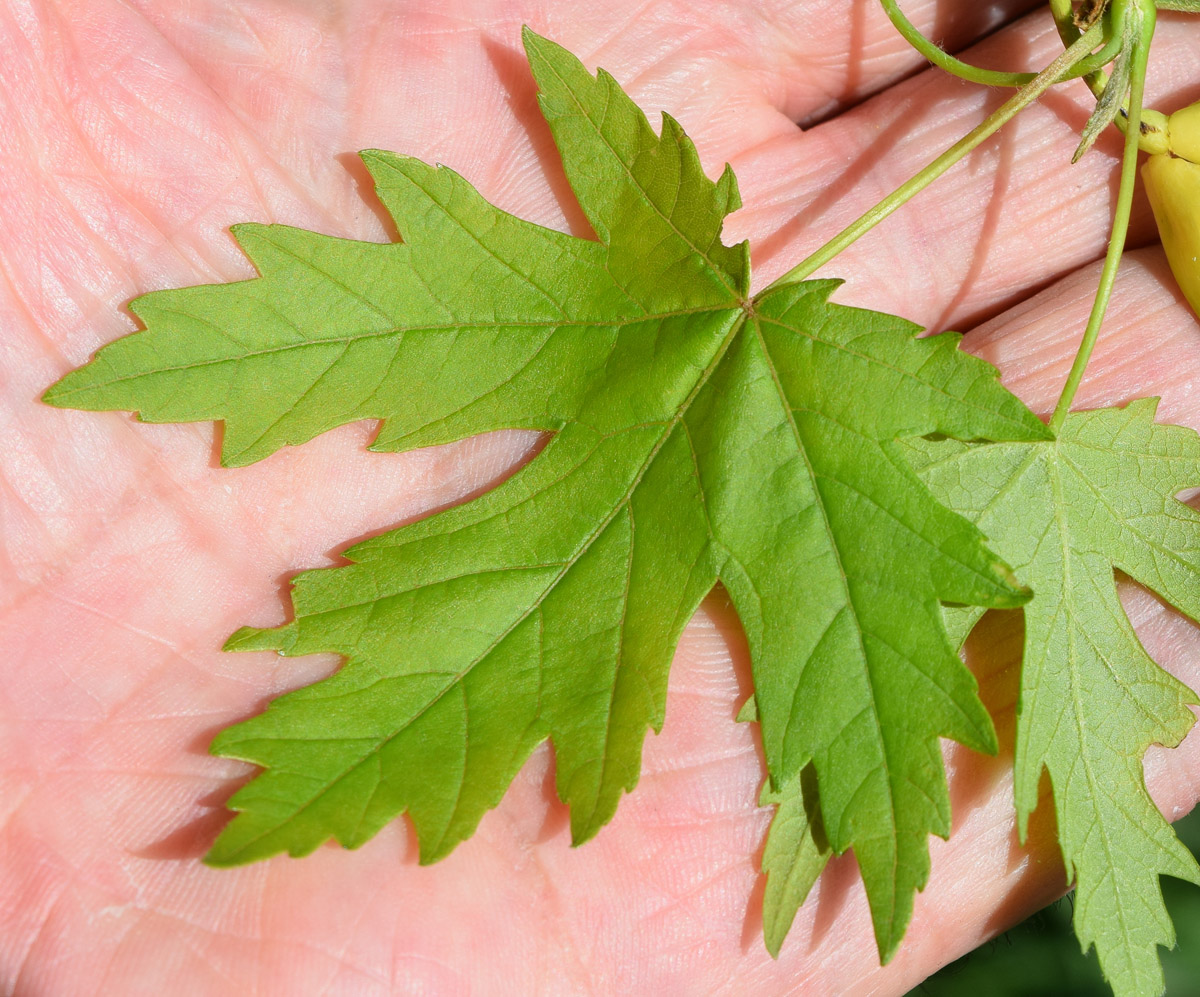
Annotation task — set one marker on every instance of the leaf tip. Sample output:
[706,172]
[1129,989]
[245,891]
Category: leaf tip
[216,857]
[727,186]
[890,931]
[236,451]
[378,160]
[533,42]
[76,390]
[53,395]
[888,948]
[223,746]
[430,852]
[260,639]
[249,236]
[773,941]
[1039,431]
[1011,593]
[232,848]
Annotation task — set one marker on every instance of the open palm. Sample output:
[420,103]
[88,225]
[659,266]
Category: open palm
[135,134]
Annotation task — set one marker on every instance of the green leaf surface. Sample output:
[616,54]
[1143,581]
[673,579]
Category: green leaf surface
[795,854]
[700,435]
[1066,514]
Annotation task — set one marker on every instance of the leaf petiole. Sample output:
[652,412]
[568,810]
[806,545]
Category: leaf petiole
[1029,93]
[1120,226]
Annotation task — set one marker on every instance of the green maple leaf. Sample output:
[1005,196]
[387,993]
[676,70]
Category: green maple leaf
[1066,513]
[700,435]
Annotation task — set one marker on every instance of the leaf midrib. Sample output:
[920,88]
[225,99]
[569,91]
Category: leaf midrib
[848,602]
[348,340]
[1076,677]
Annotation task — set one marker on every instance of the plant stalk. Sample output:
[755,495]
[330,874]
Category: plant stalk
[1052,74]
[1064,20]
[1120,226]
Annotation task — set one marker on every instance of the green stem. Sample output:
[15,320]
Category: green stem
[1017,103]
[941,58]
[1120,225]
[977,74]
[1153,136]
[1064,20]
[1064,17]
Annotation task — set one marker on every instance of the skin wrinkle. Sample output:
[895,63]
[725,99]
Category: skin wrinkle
[124,626]
[89,153]
[28,313]
[202,958]
[551,905]
[340,956]
[247,132]
[212,541]
[25,960]
[165,238]
[631,19]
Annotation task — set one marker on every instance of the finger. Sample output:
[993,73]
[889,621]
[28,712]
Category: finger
[830,60]
[1149,343]
[737,76]
[1014,215]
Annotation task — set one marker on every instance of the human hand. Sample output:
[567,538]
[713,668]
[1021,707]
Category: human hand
[140,136]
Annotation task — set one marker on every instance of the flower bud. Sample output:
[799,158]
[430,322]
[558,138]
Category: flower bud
[1172,182]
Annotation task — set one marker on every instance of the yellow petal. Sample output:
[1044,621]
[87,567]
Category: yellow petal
[1184,129]
[1173,186]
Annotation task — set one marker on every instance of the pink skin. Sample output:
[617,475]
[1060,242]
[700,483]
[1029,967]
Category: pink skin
[134,135]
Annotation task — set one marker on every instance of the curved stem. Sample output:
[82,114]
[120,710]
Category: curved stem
[977,74]
[941,58]
[1017,103]
[1120,226]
